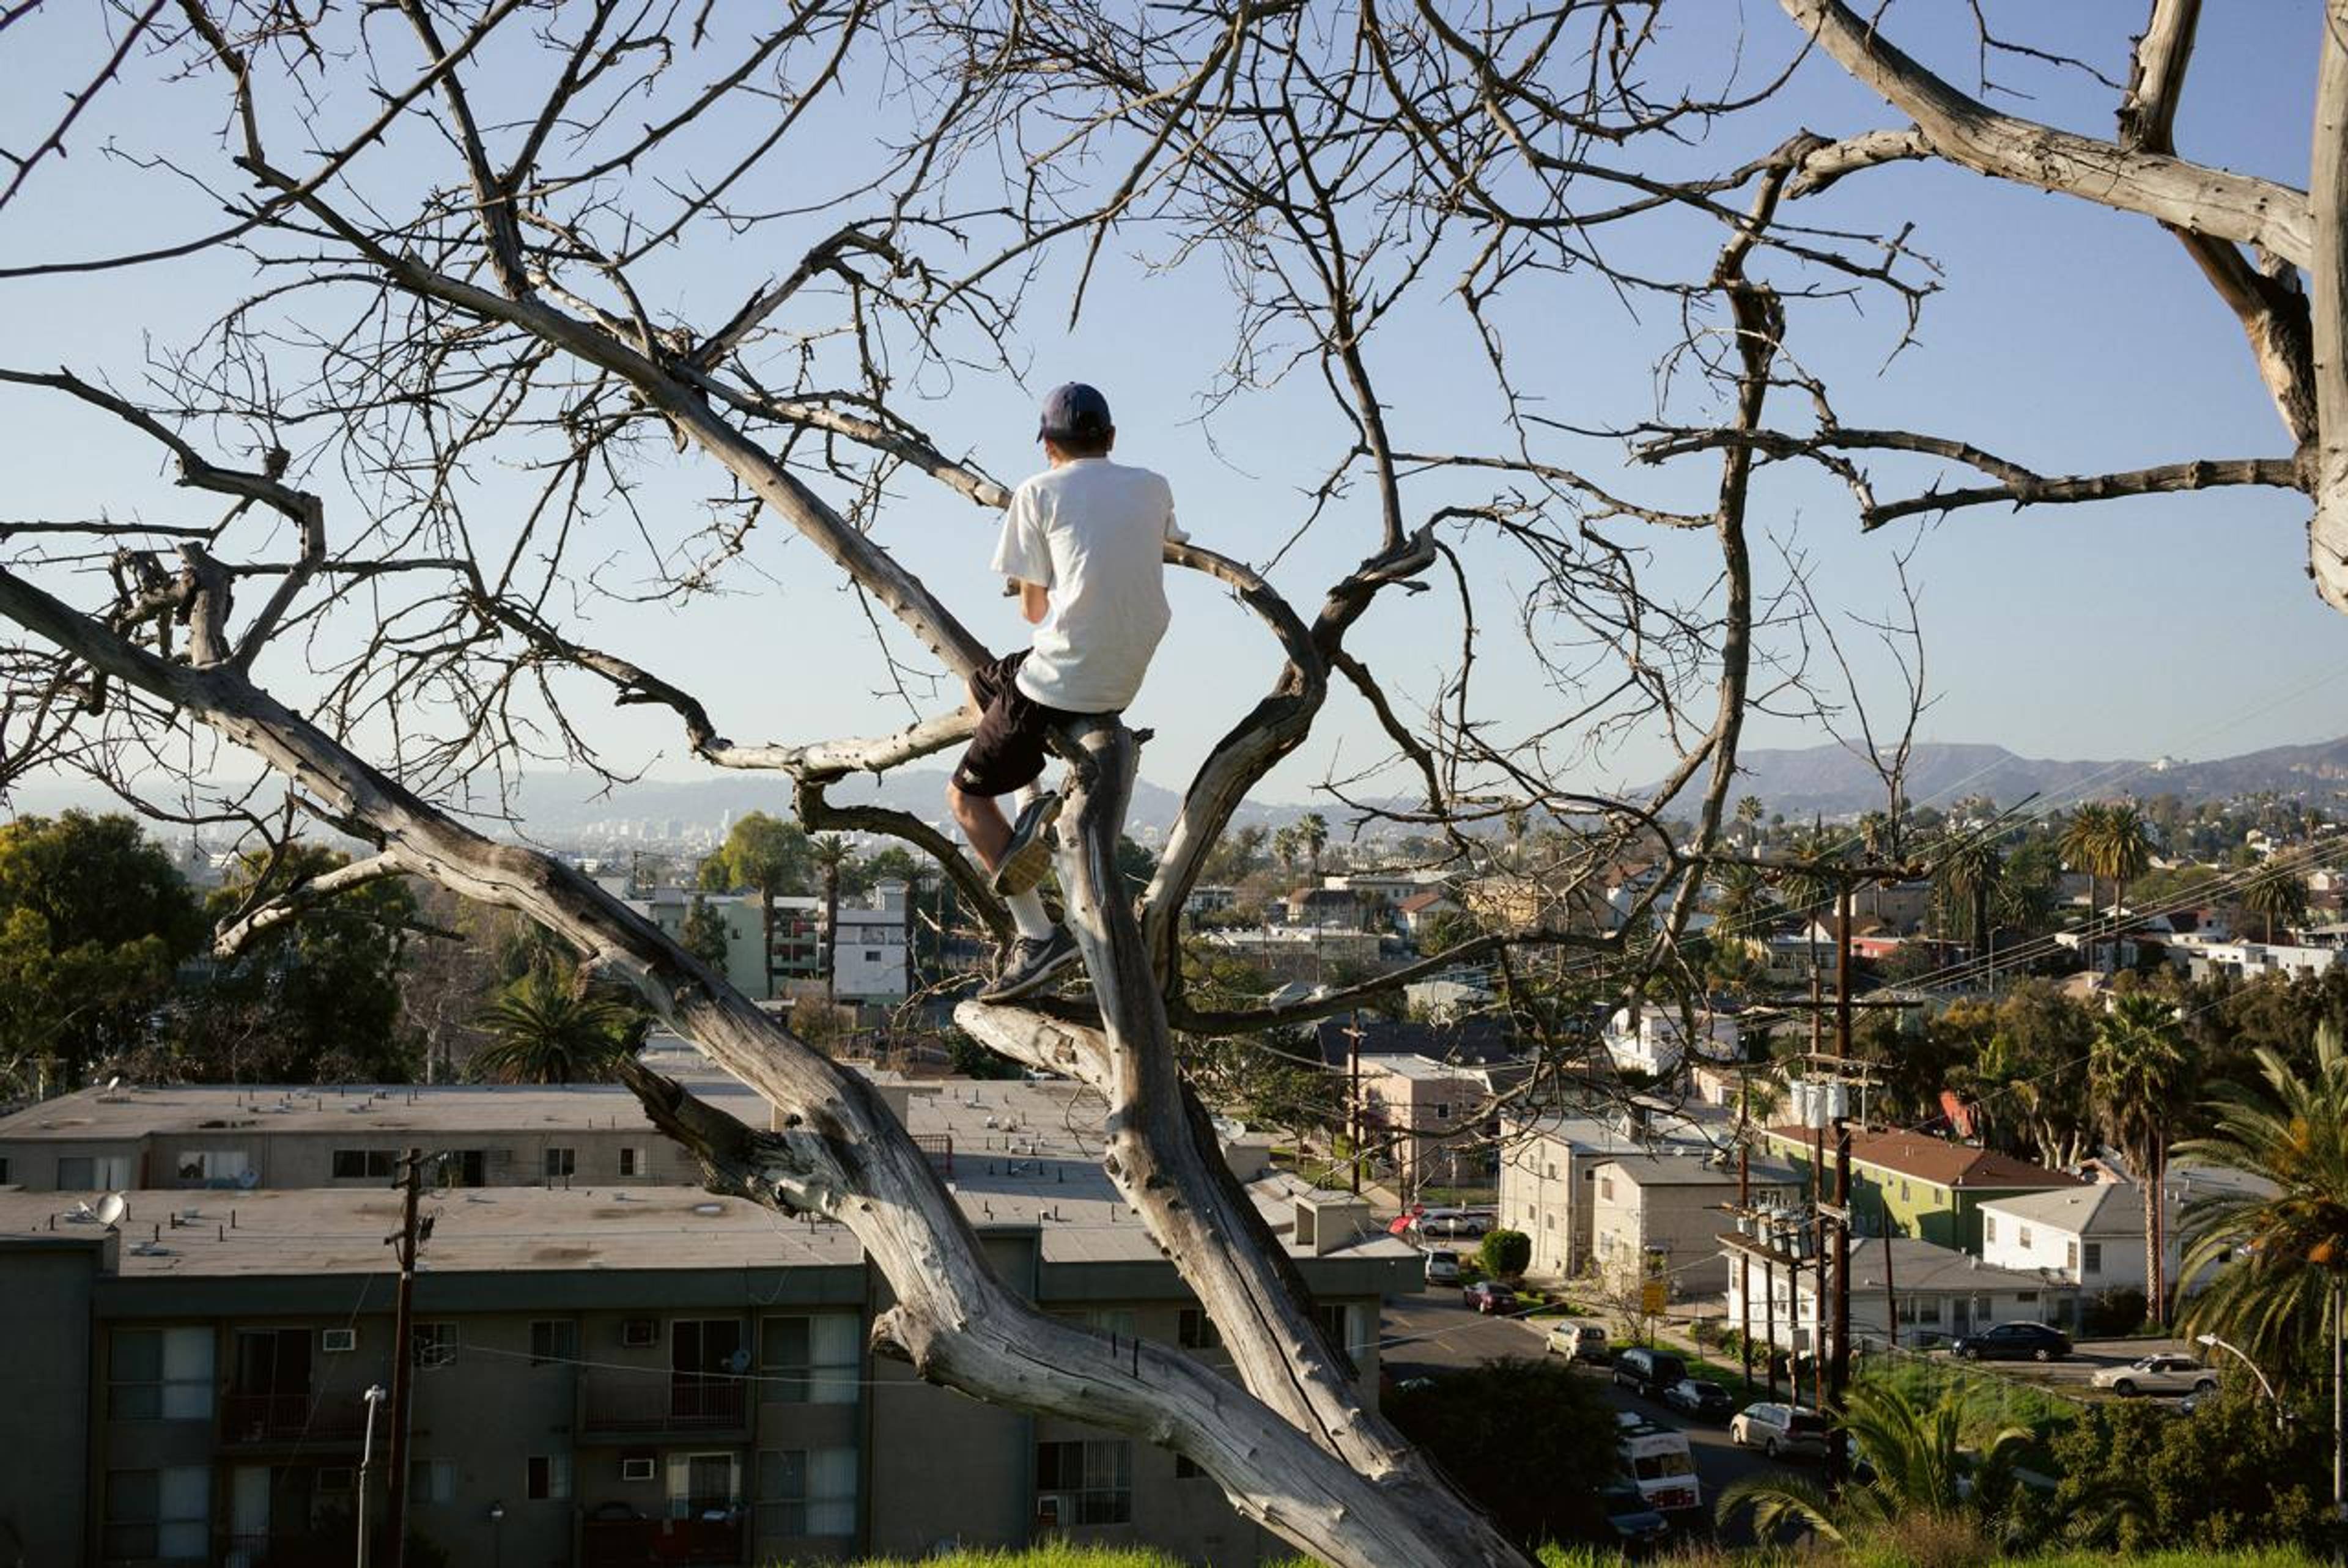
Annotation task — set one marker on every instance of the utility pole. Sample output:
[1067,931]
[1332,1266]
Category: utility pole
[1353,1097]
[1838,1372]
[1743,1259]
[403,1356]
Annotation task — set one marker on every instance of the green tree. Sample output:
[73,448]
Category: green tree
[2230,1477]
[2137,1070]
[1532,1441]
[94,919]
[545,1032]
[1505,1253]
[769,856]
[315,999]
[705,935]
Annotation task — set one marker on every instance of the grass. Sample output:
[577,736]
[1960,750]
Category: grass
[1989,1400]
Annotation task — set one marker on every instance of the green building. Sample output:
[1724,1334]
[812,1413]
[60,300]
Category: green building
[1916,1185]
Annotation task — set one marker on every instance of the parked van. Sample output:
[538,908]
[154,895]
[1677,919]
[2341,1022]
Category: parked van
[1656,1458]
[1442,1266]
[1648,1372]
[1578,1338]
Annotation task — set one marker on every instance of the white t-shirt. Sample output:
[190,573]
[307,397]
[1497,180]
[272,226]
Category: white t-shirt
[1092,533]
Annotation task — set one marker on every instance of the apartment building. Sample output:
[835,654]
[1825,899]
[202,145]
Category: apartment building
[1922,1186]
[232,1138]
[1665,1214]
[873,957]
[752,967]
[604,1374]
[1548,1158]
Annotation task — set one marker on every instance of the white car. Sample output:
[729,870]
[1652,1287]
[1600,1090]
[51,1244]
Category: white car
[1442,1267]
[1780,1431]
[2158,1375]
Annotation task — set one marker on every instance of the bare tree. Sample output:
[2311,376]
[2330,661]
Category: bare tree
[504,372]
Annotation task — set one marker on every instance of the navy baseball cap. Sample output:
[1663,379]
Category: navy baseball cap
[1073,410]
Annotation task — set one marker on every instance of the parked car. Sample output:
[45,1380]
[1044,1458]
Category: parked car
[1701,1398]
[1578,1338]
[1637,1524]
[1649,1372]
[1781,1431]
[1454,1223]
[1489,1298]
[2013,1342]
[1442,1266]
[2156,1375]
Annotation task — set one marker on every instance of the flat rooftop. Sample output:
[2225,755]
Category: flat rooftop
[1022,1154]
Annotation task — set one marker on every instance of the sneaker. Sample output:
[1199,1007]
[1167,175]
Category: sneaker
[1030,966]
[1029,854]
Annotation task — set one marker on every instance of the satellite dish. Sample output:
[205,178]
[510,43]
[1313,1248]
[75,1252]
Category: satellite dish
[248,1178]
[111,1210]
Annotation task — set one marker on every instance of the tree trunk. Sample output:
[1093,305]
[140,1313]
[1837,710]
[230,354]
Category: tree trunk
[1335,1482]
[2327,271]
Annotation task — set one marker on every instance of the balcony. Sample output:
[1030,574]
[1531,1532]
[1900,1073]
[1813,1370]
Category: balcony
[255,1420]
[658,1404]
[626,1542]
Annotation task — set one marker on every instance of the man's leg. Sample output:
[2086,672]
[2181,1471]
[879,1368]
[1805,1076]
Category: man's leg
[989,833]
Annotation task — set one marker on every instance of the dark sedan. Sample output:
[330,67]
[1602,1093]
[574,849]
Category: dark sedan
[1489,1298]
[2013,1342]
[1700,1398]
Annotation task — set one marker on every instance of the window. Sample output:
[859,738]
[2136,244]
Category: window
[159,1375]
[704,1483]
[1196,1331]
[814,1360]
[209,1165]
[1442,1110]
[2093,1259]
[1116,1320]
[93,1173]
[4,1169]
[432,1480]
[432,1344]
[2027,1296]
[547,1478]
[1989,1227]
[871,956]
[636,1466]
[1187,1469]
[1904,1193]
[1549,1222]
[1923,1309]
[356,1164]
[1552,1170]
[553,1339]
[2021,1234]
[159,1513]
[465,1168]
[636,1162]
[807,1492]
[560,1163]
[1606,1188]
[2071,1255]
[1337,1322]
[640,1333]
[1083,1483]
[338,1341]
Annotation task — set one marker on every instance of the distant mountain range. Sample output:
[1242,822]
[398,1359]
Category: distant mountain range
[1833,781]
[1826,780]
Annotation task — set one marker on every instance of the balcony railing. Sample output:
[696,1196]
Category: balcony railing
[249,1418]
[664,1402]
[626,1542]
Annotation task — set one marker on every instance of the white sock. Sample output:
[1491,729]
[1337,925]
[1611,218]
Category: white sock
[1027,914]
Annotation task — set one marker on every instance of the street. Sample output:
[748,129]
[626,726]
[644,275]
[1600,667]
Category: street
[1429,1334]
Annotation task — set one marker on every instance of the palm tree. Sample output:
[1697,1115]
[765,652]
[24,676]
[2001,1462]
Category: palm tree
[2278,1262]
[1748,817]
[2276,892]
[1285,849]
[545,1032]
[2127,854]
[1921,1464]
[2082,841]
[2138,1071]
[1313,832]
[1968,873]
[831,855]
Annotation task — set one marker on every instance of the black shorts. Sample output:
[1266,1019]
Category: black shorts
[1008,751]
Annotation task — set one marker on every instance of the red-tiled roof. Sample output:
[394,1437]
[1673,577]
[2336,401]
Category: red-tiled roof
[1417,901]
[1921,1157]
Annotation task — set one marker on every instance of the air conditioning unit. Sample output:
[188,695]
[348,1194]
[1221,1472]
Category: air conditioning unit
[640,1333]
[333,1341]
[636,1469]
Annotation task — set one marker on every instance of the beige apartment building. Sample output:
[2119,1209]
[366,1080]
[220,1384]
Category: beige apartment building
[604,1374]
[1663,1215]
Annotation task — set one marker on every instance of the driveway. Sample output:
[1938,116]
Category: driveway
[1429,1334]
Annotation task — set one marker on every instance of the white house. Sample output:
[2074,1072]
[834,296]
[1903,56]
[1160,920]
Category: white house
[1666,1213]
[872,960]
[2248,960]
[1937,1292]
[1656,1040]
[2092,1237]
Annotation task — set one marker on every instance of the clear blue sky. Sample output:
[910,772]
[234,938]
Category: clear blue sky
[2066,337]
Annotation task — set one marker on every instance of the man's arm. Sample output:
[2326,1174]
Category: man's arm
[1034,602]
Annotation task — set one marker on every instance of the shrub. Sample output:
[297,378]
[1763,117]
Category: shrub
[1530,1441]
[1505,1253]
[2119,1310]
